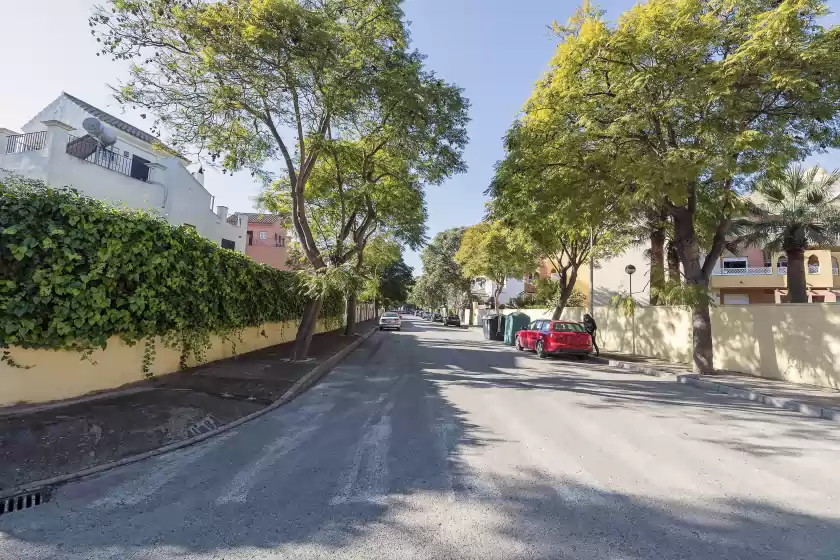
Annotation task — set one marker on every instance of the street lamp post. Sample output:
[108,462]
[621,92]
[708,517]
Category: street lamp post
[630,270]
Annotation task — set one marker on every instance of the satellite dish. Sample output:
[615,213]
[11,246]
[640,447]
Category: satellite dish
[102,135]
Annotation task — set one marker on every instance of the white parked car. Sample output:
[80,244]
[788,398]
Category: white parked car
[390,320]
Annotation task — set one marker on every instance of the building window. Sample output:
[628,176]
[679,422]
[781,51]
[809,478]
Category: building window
[281,241]
[817,299]
[734,263]
[813,264]
[263,235]
[228,244]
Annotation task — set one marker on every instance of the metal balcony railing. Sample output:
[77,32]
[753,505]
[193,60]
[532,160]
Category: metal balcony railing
[835,271]
[781,271]
[30,142]
[749,271]
[813,269]
[88,149]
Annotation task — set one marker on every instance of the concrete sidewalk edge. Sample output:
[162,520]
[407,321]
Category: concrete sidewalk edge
[632,366]
[294,391]
[831,414]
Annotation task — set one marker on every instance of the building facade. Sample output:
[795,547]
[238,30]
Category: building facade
[134,171]
[266,241]
[756,277]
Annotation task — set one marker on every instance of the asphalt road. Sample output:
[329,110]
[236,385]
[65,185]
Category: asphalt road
[432,443]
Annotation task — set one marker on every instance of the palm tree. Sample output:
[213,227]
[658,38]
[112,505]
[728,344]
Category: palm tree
[792,213]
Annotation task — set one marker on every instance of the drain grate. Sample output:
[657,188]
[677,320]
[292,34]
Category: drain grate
[204,425]
[23,501]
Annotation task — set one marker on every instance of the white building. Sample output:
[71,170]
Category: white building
[137,171]
[484,289]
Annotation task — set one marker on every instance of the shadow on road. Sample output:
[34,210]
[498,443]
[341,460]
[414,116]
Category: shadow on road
[534,512]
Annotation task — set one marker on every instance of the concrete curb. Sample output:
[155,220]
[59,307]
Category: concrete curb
[831,414]
[294,391]
[632,366]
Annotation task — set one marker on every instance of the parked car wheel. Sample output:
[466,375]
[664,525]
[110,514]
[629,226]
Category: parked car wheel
[519,344]
[541,350]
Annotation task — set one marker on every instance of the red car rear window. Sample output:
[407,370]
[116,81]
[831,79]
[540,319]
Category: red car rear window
[568,327]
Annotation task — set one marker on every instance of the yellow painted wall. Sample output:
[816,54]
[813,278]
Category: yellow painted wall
[57,374]
[794,342]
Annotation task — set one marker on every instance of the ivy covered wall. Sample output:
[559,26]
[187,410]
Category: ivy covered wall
[75,272]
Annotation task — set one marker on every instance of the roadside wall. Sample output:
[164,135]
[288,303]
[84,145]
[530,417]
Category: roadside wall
[794,342]
[57,374]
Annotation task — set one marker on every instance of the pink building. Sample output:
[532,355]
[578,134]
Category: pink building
[267,241]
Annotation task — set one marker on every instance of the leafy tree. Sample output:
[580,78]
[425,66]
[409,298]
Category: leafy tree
[493,251]
[792,213]
[379,254]
[685,103]
[427,295]
[443,280]
[251,82]
[396,283]
[563,222]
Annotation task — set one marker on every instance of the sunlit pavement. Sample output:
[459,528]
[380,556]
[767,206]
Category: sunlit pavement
[433,443]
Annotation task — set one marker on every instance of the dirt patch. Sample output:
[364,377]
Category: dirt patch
[46,443]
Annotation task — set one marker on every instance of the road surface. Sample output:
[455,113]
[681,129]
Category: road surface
[432,443]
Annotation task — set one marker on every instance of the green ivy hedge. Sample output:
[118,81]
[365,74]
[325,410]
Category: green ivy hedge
[75,271]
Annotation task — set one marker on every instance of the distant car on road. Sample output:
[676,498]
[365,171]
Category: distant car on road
[390,320]
[437,318]
[551,338]
[453,320]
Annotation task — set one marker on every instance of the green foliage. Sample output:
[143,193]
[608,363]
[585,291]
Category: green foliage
[75,271]
[496,252]
[443,283]
[680,105]
[396,283]
[797,210]
[624,303]
[679,294]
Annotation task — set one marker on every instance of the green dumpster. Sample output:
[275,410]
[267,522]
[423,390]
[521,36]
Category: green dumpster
[515,322]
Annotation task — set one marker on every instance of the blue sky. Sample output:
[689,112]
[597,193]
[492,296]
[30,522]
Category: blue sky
[494,49]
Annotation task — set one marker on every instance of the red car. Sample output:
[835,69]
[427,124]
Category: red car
[548,338]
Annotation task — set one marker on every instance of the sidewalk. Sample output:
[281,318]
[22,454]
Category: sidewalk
[819,402]
[644,364]
[43,442]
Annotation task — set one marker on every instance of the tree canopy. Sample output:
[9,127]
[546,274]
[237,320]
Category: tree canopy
[327,88]
[493,251]
[680,103]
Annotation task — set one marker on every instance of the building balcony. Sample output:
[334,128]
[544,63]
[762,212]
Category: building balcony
[20,143]
[89,150]
[818,273]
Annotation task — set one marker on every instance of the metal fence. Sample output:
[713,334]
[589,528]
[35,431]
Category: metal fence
[89,150]
[30,142]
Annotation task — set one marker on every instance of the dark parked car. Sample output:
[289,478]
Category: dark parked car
[549,338]
[453,320]
[437,318]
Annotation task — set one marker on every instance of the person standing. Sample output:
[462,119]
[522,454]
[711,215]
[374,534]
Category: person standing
[591,327]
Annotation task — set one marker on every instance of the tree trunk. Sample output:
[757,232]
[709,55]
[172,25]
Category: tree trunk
[673,263]
[496,293]
[566,290]
[797,289]
[307,328]
[657,264]
[701,322]
[350,315]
